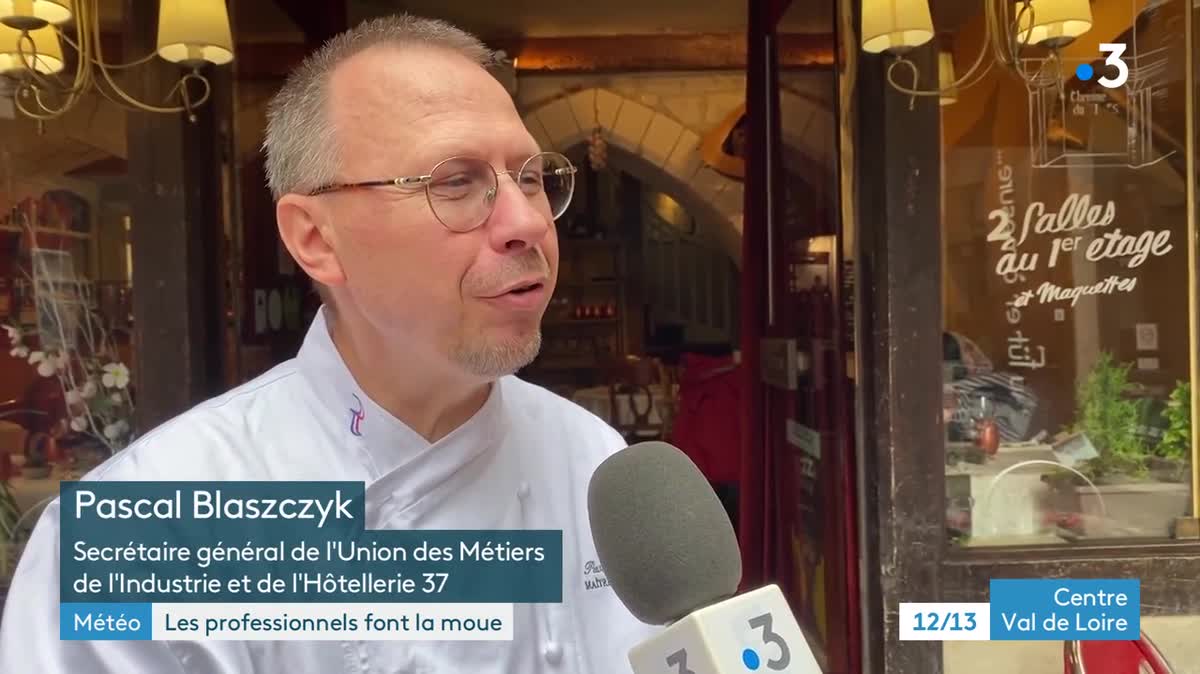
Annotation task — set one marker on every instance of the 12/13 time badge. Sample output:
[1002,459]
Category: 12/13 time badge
[945,621]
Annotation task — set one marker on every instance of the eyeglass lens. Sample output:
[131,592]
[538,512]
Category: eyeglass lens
[462,190]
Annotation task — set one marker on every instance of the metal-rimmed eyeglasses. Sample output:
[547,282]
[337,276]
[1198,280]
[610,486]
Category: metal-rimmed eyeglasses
[462,190]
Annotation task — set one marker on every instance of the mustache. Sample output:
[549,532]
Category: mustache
[511,268]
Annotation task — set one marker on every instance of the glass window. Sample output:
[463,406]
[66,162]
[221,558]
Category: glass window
[1066,342]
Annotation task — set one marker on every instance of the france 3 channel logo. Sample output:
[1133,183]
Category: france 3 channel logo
[1115,50]
[1041,609]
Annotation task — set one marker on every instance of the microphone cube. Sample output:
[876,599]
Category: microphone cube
[751,632]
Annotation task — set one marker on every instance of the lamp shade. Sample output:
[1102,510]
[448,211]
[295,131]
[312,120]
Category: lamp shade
[891,25]
[1054,22]
[946,78]
[31,14]
[194,31]
[45,55]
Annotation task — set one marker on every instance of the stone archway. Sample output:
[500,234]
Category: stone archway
[670,147]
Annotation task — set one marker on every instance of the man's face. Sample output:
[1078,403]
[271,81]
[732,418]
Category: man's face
[435,292]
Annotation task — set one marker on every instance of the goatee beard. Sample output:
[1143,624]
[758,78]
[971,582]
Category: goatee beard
[499,359]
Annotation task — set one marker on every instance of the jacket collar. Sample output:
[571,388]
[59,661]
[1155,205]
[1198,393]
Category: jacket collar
[386,443]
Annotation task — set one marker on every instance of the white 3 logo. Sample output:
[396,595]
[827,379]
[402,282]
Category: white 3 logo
[1114,51]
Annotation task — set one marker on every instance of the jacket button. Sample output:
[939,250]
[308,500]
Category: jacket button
[523,491]
[552,652]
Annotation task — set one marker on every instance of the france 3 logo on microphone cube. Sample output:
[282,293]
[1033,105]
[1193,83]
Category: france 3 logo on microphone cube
[752,632]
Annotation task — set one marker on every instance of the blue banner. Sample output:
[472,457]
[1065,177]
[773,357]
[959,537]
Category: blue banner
[104,622]
[219,542]
[1065,610]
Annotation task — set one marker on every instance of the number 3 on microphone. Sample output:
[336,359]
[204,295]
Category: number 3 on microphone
[678,659]
[772,639]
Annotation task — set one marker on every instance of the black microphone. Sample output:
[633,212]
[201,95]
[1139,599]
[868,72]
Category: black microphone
[670,554]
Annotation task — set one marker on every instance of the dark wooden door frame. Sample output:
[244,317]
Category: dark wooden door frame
[176,235]
[898,361]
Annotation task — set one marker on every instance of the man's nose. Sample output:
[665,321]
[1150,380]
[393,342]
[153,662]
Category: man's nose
[516,223]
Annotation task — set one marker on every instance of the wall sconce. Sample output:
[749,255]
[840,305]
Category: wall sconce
[191,33]
[898,26]
[34,14]
[1055,23]
[46,57]
[895,25]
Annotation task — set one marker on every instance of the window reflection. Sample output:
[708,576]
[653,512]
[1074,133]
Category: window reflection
[1066,346]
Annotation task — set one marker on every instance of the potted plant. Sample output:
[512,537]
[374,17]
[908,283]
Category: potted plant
[1110,418]
[1128,497]
[1172,455]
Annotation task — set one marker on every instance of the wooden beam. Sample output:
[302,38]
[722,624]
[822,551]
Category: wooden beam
[658,52]
[589,54]
[275,60]
[262,61]
[174,175]
[319,21]
[899,350]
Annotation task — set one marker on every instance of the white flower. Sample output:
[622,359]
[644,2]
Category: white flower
[116,375]
[89,389]
[74,397]
[36,357]
[19,352]
[115,430]
[14,335]
[78,424]
[46,368]
[116,398]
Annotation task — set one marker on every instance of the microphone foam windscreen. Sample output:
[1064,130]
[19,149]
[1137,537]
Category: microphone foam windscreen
[662,535]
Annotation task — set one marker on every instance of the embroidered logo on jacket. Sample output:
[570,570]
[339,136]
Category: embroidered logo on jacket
[356,417]
[593,576]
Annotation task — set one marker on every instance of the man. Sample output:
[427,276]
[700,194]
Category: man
[409,190]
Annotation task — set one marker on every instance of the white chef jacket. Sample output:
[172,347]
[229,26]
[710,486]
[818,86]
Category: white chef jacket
[523,461]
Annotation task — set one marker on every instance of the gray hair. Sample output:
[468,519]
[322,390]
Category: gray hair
[299,144]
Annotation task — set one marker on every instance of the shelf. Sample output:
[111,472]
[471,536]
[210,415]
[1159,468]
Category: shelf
[47,231]
[580,321]
[607,283]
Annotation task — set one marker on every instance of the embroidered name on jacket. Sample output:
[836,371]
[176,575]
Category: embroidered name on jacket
[593,576]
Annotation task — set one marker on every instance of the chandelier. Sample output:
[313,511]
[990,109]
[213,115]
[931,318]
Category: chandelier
[899,26]
[191,33]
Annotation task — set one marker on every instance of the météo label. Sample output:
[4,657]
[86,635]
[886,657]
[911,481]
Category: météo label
[1065,610]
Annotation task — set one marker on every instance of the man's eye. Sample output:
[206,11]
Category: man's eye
[460,180]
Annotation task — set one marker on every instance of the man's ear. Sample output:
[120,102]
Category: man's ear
[306,232]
